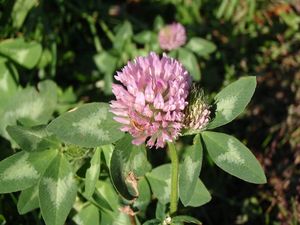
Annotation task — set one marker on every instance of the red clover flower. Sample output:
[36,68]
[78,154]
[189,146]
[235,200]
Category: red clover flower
[172,36]
[151,99]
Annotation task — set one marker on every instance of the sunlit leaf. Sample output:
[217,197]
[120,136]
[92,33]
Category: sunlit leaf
[232,100]
[45,59]
[20,10]
[107,152]
[233,157]
[23,170]
[189,60]
[89,125]
[158,23]
[8,85]
[190,170]
[17,173]
[32,138]
[106,64]
[88,215]
[144,37]
[28,200]
[26,54]
[123,35]
[127,160]
[200,46]
[99,200]
[106,190]
[160,182]
[92,173]
[29,106]
[199,196]
[57,191]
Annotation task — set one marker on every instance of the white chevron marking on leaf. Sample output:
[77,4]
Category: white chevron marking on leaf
[20,170]
[232,155]
[91,125]
[58,189]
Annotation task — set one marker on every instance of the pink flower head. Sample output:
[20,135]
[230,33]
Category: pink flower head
[172,36]
[151,101]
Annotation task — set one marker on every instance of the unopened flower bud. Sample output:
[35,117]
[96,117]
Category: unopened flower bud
[197,111]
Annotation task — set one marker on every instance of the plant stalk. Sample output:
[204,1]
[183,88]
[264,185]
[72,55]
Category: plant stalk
[92,25]
[174,178]
[108,33]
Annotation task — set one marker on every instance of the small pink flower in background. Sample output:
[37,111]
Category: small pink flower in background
[172,36]
[151,101]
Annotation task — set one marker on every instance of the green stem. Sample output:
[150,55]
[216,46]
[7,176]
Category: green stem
[108,33]
[97,42]
[91,20]
[174,178]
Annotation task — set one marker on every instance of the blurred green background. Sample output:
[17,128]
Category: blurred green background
[80,44]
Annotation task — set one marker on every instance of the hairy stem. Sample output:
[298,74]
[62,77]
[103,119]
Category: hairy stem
[174,178]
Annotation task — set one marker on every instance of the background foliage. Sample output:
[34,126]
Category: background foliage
[56,54]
